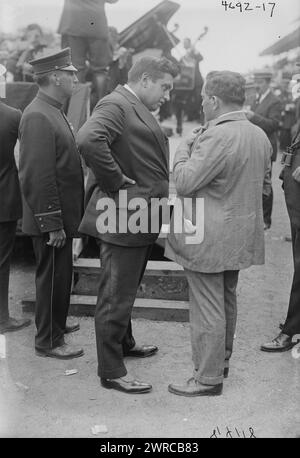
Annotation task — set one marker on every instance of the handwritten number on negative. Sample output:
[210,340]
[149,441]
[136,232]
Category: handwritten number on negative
[272,10]
[246,6]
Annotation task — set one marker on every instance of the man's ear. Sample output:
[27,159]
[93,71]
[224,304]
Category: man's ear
[53,78]
[216,102]
[145,80]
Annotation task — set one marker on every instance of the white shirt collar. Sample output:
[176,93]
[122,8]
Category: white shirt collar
[130,90]
[264,95]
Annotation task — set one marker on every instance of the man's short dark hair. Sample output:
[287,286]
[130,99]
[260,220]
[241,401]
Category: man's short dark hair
[42,80]
[155,67]
[228,86]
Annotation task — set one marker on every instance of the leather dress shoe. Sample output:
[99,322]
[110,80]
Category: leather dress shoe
[194,388]
[65,351]
[282,342]
[141,351]
[130,387]
[72,328]
[14,324]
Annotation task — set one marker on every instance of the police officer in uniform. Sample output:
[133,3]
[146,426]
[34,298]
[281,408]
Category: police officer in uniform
[291,184]
[51,181]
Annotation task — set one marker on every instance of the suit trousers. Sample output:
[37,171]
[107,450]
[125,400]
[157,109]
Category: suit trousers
[7,239]
[268,207]
[292,322]
[213,312]
[122,271]
[96,50]
[53,281]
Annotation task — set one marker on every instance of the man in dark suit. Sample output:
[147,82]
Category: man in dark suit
[10,208]
[126,150]
[52,185]
[83,26]
[266,114]
[290,331]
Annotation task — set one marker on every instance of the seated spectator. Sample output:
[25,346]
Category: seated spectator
[27,49]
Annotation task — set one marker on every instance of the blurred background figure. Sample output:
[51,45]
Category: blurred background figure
[266,113]
[28,48]
[188,86]
[288,114]
[121,61]
[296,100]
[83,26]
[250,94]
[192,57]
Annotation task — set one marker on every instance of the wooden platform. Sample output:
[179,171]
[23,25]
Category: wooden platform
[162,280]
[150,309]
[162,295]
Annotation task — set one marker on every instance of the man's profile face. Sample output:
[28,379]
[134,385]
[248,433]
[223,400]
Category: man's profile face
[68,81]
[156,93]
[34,37]
[262,85]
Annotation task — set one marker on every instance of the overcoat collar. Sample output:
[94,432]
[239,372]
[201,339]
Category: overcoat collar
[233,116]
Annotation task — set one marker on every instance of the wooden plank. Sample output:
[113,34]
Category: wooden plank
[151,309]
[92,266]
[167,287]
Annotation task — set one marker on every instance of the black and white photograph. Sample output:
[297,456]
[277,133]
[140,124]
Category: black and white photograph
[149,222]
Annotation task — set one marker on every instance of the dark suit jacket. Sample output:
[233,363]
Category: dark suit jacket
[292,187]
[84,18]
[50,170]
[122,136]
[267,116]
[10,196]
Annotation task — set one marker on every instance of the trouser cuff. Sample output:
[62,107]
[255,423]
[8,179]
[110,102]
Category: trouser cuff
[115,373]
[208,380]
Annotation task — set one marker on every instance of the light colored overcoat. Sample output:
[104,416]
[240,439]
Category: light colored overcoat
[226,166]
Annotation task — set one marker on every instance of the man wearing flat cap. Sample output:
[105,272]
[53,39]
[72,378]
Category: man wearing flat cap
[290,330]
[266,114]
[52,185]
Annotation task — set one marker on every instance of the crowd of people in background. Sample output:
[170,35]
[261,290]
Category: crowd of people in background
[16,50]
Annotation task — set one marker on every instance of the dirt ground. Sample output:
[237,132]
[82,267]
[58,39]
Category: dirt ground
[38,400]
